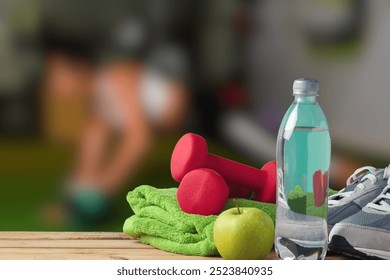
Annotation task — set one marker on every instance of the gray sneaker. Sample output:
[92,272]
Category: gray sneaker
[365,234]
[360,190]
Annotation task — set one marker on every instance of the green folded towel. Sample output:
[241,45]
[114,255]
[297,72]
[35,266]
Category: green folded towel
[159,221]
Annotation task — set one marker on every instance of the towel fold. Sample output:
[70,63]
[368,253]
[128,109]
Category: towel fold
[159,221]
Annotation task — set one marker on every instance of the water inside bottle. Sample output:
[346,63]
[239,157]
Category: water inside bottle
[306,151]
[303,168]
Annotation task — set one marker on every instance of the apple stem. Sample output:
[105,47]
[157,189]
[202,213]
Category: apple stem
[236,203]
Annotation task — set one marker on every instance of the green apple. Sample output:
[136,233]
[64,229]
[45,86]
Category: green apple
[243,233]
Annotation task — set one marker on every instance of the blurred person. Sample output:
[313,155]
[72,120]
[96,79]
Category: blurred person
[113,81]
[130,99]
[131,102]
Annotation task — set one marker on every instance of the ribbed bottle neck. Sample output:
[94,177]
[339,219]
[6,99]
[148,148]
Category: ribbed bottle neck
[305,99]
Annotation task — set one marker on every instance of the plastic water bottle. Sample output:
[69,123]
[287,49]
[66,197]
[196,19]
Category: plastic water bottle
[303,160]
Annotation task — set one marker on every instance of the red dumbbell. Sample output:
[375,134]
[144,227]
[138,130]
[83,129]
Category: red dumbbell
[191,153]
[203,191]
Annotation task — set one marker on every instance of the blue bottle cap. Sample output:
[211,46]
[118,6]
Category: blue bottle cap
[306,87]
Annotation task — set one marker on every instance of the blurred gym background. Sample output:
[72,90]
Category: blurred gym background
[235,62]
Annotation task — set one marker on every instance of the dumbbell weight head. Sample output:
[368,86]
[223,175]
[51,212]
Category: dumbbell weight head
[202,191]
[190,153]
[267,193]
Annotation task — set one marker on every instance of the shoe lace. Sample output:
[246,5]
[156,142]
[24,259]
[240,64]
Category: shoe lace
[360,170]
[338,197]
[382,201]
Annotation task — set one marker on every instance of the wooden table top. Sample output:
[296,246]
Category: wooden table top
[24,245]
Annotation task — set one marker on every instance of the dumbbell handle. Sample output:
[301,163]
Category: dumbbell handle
[236,173]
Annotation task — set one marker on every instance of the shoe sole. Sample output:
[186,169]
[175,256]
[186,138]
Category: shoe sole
[340,245]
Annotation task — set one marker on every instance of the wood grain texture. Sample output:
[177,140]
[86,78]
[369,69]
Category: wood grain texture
[79,246]
[85,246]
